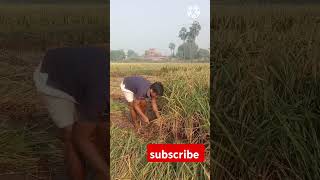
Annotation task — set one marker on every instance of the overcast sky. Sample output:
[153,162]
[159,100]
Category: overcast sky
[144,24]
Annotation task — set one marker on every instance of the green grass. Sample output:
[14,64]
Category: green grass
[186,106]
[117,106]
[129,161]
[146,68]
[23,148]
[185,110]
[265,93]
[25,30]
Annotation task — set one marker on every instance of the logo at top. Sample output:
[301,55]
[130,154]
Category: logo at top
[193,11]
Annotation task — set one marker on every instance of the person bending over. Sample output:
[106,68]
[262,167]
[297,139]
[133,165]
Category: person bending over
[73,82]
[137,90]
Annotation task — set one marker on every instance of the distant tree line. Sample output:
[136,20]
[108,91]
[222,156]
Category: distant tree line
[116,55]
[187,50]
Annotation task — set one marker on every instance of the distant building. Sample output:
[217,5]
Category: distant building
[153,54]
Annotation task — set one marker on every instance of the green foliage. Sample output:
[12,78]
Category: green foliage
[203,53]
[188,50]
[183,34]
[116,106]
[194,31]
[128,161]
[172,46]
[117,55]
[185,111]
[132,54]
[187,102]
[23,148]
[265,96]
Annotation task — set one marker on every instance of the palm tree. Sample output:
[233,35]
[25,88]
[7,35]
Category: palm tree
[194,31]
[172,46]
[190,36]
[183,34]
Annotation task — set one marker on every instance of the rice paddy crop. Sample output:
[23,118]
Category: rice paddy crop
[265,97]
[28,138]
[185,119]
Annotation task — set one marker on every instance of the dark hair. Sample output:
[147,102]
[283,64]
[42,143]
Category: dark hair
[157,87]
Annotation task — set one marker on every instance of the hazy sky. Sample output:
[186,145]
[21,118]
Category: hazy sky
[144,24]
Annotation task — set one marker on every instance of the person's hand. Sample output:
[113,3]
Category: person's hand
[146,119]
